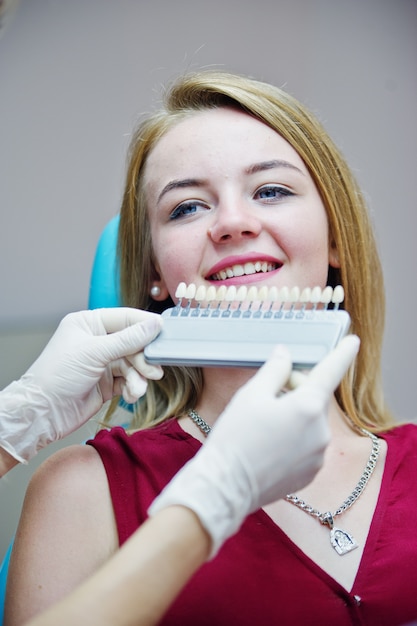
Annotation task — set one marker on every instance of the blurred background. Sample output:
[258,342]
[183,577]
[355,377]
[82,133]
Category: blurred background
[74,79]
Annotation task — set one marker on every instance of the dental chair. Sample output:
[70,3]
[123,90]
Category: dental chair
[104,292]
[104,282]
[3,580]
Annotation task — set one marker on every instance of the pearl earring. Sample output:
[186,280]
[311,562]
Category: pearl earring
[155,291]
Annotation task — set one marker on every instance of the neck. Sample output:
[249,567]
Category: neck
[220,384]
[340,426]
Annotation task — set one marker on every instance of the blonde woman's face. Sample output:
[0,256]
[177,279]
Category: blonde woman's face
[230,202]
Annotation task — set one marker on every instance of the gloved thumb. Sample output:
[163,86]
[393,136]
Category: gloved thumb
[330,371]
[274,373]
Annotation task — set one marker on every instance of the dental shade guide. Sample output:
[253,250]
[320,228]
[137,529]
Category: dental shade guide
[239,326]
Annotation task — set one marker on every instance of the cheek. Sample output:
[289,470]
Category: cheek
[316,261]
[307,244]
[306,237]
[171,260]
[318,266]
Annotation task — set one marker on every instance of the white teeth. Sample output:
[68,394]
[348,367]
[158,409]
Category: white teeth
[315,295]
[284,294]
[221,293]
[190,291]
[231,294]
[181,289]
[305,295]
[238,270]
[211,294]
[294,297]
[200,293]
[326,295]
[249,268]
[252,294]
[338,295]
[294,294]
[244,270]
[263,294]
[273,294]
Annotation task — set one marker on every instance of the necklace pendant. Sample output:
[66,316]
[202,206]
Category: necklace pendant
[342,541]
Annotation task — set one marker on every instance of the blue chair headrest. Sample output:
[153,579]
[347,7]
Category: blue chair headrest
[104,283]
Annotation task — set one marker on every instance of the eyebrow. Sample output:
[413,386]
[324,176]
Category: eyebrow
[269,165]
[252,169]
[179,184]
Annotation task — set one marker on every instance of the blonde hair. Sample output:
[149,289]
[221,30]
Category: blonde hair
[360,393]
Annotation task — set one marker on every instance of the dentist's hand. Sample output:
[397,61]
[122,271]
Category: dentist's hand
[263,446]
[92,356]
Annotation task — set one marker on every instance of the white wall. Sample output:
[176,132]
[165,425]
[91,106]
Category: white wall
[74,77]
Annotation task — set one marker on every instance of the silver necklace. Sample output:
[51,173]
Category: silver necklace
[341,540]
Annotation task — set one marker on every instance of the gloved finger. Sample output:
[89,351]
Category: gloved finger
[330,371]
[127,382]
[296,379]
[119,318]
[120,389]
[120,368]
[275,372]
[155,372]
[128,341]
[133,388]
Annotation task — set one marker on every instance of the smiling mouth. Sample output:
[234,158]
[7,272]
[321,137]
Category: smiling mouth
[245,269]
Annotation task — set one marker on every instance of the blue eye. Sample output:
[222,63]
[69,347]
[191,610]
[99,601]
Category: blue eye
[185,209]
[273,192]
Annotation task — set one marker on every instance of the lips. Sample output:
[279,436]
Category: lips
[245,269]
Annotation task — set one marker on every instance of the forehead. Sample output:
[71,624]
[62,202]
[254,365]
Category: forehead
[224,133]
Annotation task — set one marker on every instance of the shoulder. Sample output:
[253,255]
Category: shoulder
[70,491]
[153,441]
[167,429]
[139,465]
[402,450]
[402,434]
[66,530]
[75,469]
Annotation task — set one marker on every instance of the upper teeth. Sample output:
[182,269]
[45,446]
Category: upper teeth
[241,270]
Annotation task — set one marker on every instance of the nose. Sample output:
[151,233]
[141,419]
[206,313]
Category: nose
[232,223]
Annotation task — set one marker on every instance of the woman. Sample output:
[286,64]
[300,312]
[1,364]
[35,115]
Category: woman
[198,510]
[232,178]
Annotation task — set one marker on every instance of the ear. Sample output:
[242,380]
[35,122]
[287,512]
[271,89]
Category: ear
[334,260]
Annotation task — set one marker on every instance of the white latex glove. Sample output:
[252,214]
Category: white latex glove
[92,356]
[262,446]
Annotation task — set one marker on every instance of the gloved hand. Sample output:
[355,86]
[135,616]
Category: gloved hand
[263,446]
[92,356]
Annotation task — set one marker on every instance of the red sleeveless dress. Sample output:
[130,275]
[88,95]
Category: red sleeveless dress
[260,577]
